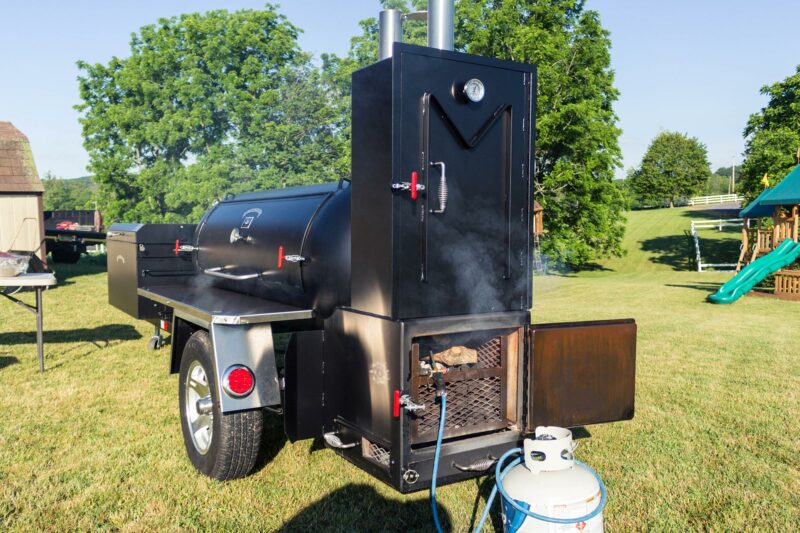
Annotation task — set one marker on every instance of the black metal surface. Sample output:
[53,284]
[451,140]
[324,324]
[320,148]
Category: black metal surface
[244,236]
[367,358]
[408,114]
[141,255]
[208,305]
[302,406]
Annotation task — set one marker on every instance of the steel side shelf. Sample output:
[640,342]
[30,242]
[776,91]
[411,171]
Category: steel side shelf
[211,305]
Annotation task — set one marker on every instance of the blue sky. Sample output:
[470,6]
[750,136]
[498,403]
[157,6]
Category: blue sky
[692,66]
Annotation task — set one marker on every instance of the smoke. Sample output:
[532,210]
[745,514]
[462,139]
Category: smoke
[477,259]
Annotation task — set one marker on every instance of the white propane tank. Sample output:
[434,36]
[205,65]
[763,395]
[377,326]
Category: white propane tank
[550,483]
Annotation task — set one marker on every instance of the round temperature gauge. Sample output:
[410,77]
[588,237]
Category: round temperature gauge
[474,90]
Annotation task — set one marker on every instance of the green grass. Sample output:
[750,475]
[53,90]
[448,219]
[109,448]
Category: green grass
[95,442]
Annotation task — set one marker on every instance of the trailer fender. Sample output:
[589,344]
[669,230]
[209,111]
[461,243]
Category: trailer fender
[249,345]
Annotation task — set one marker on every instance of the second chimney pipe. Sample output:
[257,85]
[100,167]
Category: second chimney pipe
[390,29]
[441,19]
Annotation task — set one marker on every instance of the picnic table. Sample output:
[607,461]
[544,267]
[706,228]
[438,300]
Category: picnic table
[39,281]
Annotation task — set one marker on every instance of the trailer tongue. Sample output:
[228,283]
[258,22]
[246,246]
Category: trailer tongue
[413,276]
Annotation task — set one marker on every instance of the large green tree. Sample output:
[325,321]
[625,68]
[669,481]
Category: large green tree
[674,166]
[576,146]
[206,104]
[772,136]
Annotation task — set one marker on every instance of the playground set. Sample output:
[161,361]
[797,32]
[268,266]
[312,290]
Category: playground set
[769,244]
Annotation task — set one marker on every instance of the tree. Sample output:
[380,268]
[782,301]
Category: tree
[206,104]
[772,136]
[68,194]
[576,149]
[674,166]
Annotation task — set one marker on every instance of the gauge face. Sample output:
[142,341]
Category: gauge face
[474,90]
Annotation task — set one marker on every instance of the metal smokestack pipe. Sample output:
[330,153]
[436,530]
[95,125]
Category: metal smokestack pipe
[441,19]
[390,30]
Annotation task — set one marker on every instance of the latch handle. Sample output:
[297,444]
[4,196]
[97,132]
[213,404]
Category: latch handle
[442,188]
[414,187]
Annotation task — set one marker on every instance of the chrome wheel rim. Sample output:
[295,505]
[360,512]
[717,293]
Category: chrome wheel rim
[201,424]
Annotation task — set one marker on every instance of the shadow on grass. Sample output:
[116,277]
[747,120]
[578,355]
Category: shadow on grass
[359,507]
[672,250]
[87,266]
[99,336]
[704,287]
[7,361]
[678,251]
[273,439]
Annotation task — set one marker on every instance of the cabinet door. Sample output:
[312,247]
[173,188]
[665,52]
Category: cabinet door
[581,373]
[463,249]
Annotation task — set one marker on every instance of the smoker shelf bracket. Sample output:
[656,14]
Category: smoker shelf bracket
[334,441]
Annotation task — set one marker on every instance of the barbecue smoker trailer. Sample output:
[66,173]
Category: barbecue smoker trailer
[418,267]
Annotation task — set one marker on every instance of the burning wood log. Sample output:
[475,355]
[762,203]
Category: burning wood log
[456,355]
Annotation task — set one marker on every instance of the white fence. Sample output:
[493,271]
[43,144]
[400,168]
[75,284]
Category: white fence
[718,199]
[717,225]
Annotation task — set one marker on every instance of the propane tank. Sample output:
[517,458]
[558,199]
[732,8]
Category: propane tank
[549,482]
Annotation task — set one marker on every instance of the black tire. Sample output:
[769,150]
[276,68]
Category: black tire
[235,437]
[63,256]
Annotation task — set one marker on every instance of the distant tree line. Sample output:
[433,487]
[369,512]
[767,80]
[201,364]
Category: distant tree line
[225,102]
[80,193]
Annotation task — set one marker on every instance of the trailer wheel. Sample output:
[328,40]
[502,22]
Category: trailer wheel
[65,256]
[221,446]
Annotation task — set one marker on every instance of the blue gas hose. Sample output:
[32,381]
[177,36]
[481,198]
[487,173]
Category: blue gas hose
[501,472]
[436,463]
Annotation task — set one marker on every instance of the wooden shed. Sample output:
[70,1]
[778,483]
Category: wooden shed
[538,218]
[21,191]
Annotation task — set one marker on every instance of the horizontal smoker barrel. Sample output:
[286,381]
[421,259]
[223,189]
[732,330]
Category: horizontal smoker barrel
[288,245]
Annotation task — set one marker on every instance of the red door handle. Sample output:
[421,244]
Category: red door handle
[414,180]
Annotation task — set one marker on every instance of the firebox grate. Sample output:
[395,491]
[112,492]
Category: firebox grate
[489,354]
[475,392]
[471,404]
[375,453]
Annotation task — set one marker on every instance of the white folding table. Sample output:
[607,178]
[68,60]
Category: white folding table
[39,282]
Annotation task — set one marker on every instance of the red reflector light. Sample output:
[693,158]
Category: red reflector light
[238,381]
[280,256]
[163,325]
[414,180]
[396,404]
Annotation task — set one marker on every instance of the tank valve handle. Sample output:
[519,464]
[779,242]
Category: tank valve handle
[409,404]
[442,188]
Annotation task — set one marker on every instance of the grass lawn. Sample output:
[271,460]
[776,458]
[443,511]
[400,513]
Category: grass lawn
[95,442]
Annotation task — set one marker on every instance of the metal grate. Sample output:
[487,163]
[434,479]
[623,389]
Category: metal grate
[489,354]
[375,453]
[471,404]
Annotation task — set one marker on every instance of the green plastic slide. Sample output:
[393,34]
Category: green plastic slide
[781,257]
